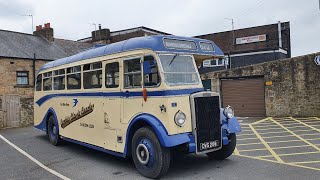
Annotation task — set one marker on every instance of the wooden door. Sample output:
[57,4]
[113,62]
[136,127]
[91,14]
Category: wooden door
[11,109]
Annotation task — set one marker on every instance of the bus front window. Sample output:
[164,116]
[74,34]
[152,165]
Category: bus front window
[179,69]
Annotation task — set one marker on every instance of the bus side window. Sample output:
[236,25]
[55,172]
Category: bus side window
[132,73]
[74,77]
[92,75]
[39,82]
[47,81]
[59,79]
[150,72]
[112,75]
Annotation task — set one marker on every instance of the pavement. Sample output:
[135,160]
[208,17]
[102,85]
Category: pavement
[267,148]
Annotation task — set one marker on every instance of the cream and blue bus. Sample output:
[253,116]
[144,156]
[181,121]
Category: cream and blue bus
[141,98]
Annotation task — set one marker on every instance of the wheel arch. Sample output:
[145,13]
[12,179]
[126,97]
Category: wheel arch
[157,127]
[44,123]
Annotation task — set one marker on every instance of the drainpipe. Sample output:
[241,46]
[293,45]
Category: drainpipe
[34,69]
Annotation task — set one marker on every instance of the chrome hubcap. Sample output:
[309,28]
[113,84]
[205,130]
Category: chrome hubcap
[54,130]
[142,153]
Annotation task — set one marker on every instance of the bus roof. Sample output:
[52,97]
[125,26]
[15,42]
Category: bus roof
[159,43]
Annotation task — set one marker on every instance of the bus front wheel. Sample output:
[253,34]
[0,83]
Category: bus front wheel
[150,158]
[53,133]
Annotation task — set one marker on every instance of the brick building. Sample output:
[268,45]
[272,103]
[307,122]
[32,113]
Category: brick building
[21,55]
[249,46]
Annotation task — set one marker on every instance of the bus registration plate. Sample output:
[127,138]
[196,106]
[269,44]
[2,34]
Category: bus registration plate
[209,145]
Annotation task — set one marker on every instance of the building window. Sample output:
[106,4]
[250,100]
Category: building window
[22,78]
[215,62]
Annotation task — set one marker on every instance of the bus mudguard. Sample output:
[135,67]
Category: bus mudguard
[161,132]
[43,124]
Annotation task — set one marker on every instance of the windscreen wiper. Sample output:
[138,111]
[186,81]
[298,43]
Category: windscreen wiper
[174,57]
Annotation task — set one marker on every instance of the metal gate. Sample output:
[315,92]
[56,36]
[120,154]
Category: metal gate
[11,110]
[246,96]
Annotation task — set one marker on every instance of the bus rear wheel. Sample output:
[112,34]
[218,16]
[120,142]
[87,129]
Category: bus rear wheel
[150,158]
[53,132]
[226,150]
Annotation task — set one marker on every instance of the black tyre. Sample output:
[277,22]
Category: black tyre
[150,158]
[226,150]
[53,132]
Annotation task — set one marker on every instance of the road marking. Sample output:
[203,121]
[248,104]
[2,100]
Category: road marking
[306,162]
[299,137]
[241,139]
[262,120]
[33,159]
[266,144]
[303,130]
[305,124]
[313,134]
[278,136]
[236,151]
[284,125]
[288,147]
[273,125]
[292,154]
[274,132]
[248,144]
[290,164]
[283,141]
[248,150]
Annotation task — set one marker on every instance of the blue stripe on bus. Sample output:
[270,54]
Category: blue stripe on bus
[120,94]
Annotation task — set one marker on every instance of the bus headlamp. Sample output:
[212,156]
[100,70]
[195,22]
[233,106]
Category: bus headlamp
[228,112]
[180,118]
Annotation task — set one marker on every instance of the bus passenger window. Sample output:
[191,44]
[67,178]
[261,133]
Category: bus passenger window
[74,77]
[92,75]
[112,75]
[150,72]
[47,81]
[39,82]
[132,73]
[59,79]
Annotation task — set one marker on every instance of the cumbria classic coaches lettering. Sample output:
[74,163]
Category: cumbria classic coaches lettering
[76,116]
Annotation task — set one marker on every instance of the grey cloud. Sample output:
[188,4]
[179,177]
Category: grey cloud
[14,9]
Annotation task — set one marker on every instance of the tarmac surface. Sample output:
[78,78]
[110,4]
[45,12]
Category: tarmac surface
[267,148]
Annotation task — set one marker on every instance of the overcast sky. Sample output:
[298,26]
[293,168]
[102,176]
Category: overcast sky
[71,18]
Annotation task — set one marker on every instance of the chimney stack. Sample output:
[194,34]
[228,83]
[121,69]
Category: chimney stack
[46,32]
[101,36]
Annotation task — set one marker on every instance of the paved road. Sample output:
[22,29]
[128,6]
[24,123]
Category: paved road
[77,162]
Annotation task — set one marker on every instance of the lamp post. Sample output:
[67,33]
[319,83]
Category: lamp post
[233,40]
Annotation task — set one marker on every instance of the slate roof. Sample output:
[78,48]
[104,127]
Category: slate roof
[22,45]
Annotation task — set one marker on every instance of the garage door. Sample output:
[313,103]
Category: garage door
[246,96]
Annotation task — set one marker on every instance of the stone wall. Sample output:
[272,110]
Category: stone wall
[295,89]
[8,86]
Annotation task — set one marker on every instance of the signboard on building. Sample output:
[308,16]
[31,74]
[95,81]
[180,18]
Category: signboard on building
[251,39]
